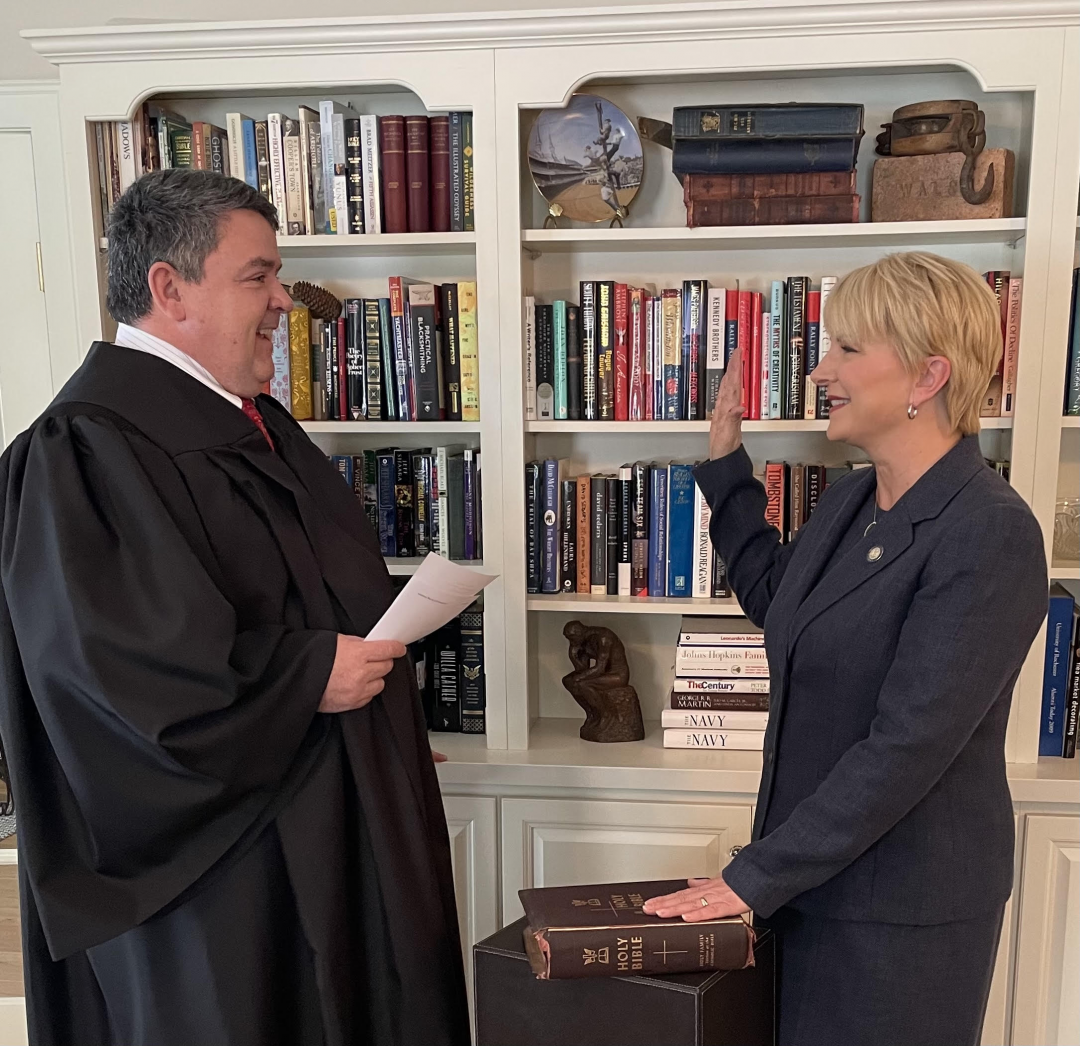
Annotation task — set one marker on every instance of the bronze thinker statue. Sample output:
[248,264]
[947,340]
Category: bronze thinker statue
[600,683]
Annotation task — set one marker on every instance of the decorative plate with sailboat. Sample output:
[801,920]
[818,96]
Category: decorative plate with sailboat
[586,160]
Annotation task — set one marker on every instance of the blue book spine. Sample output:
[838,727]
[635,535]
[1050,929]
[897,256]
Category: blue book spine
[251,159]
[1055,673]
[386,345]
[558,327]
[344,464]
[1072,381]
[658,526]
[533,544]
[776,350]
[549,526]
[762,155]
[387,511]
[680,556]
[787,119]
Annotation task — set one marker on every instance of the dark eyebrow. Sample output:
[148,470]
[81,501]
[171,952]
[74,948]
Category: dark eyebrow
[268,264]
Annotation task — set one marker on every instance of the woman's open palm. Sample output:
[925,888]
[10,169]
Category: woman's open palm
[725,432]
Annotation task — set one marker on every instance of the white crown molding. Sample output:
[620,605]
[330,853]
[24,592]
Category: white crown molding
[29,86]
[596,26]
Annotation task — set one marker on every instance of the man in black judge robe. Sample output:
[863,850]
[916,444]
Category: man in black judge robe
[230,829]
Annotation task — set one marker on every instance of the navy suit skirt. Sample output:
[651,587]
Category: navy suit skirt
[848,983]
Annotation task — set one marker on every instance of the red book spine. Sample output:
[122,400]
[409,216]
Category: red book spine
[440,174]
[392,164]
[755,356]
[343,371]
[417,173]
[622,353]
[636,323]
[198,146]
[745,333]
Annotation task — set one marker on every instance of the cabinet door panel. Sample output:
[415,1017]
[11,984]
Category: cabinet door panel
[563,842]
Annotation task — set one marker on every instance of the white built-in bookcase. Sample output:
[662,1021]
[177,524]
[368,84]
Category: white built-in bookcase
[1020,62]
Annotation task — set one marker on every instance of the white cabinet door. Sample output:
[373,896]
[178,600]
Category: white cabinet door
[1046,1004]
[564,842]
[471,821]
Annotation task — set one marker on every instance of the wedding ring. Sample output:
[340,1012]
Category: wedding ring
[704,902]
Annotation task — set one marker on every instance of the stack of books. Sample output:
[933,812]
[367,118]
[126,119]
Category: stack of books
[1061,675]
[450,676]
[419,501]
[411,356]
[327,171]
[720,696]
[786,164]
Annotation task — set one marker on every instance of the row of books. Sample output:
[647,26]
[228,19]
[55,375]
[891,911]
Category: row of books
[720,694]
[332,171]
[627,354]
[419,501]
[643,532]
[1061,675]
[412,356]
[1072,370]
[449,667]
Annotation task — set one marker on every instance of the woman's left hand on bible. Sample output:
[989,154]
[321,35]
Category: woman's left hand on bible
[723,901]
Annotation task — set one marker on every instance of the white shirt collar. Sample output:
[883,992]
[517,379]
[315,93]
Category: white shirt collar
[133,338]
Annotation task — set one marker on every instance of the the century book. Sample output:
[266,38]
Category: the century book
[602,931]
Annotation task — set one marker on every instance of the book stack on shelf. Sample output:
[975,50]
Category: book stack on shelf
[331,171]
[784,164]
[449,667]
[627,354]
[720,695]
[1061,676]
[642,532]
[419,501]
[1072,368]
[411,356]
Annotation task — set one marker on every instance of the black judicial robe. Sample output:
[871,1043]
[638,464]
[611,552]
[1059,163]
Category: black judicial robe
[205,859]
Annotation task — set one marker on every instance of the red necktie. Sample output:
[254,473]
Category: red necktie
[249,408]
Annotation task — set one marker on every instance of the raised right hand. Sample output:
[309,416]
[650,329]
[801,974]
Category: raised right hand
[725,432]
[358,673]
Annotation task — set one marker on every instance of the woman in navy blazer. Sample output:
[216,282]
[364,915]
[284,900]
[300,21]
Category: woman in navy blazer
[895,623]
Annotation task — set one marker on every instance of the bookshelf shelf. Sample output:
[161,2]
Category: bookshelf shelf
[1062,571]
[381,245]
[1070,422]
[614,428]
[390,428]
[405,566]
[583,603]
[863,234]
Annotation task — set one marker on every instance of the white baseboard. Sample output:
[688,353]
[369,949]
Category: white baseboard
[13,1022]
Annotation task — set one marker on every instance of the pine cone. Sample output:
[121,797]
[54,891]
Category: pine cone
[321,303]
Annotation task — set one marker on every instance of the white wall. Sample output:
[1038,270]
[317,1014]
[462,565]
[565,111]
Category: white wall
[19,62]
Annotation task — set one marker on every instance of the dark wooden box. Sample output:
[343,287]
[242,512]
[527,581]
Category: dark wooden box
[726,1008]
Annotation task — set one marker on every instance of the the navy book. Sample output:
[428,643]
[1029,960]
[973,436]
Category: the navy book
[763,155]
[769,120]
[1059,621]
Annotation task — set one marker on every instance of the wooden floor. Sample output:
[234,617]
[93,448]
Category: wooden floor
[11,973]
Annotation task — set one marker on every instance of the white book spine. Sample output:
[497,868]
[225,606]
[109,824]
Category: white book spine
[1012,347]
[326,145]
[692,685]
[530,358]
[444,502]
[341,176]
[369,149]
[740,740]
[234,127]
[678,719]
[292,167]
[722,654]
[714,344]
[125,144]
[824,341]
[738,639]
[722,669]
[703,551]
[277,167]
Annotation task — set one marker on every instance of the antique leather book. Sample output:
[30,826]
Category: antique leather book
[601,931]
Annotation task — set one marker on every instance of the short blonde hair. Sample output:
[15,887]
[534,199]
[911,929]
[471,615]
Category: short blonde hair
[924,305]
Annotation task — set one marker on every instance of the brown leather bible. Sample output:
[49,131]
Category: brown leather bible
[392,162]
[601,931]
[417,173]
[440,173]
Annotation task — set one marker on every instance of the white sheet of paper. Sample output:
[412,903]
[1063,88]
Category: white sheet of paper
[435,594]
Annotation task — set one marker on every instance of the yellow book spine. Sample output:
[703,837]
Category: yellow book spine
[470,351]
[300,361]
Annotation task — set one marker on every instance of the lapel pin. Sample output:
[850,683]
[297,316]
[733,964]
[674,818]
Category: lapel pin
[874,554]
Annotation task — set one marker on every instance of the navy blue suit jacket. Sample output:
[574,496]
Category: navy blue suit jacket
[883,795]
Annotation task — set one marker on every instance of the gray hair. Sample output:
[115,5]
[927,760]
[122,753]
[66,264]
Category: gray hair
[171,216]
